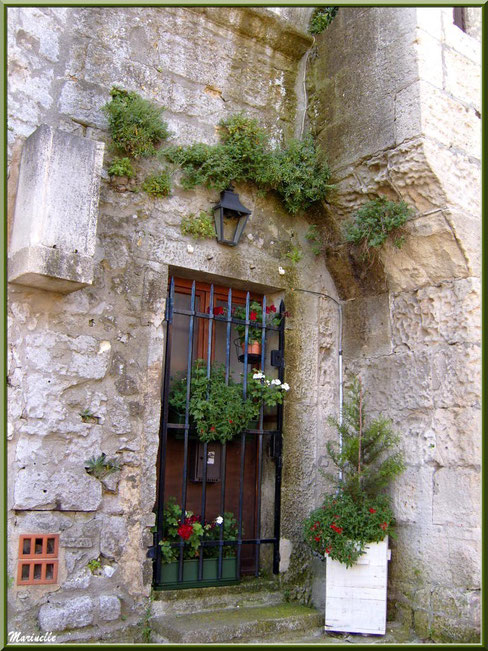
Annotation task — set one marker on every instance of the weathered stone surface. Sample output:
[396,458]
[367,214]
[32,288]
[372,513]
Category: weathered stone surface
[457,497]
[66,490]
[367,327]
[109,607]
[457,436]
[73,613]
[113,536]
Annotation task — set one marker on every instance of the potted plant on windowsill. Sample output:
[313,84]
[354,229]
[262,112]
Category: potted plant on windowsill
[254,334]
[192,532]
[351,527]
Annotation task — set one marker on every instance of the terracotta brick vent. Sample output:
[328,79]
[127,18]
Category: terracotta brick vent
[38,559]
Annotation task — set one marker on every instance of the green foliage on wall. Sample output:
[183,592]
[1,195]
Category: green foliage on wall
[135,123]
[321,19]
[198,226]
[157,185]
[297,173]
[121,167]
[373,223]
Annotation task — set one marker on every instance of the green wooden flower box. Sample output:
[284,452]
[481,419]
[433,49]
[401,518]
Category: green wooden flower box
[169,573]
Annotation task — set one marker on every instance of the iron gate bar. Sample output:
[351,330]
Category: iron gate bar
[275,435]
[278,451]
[205,445]
[187,423]
[163,433]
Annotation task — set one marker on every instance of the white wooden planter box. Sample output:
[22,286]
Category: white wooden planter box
[355,597]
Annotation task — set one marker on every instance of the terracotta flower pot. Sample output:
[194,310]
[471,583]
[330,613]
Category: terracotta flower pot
[253,348]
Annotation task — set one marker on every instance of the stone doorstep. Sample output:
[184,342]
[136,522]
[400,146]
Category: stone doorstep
[250,592]
[240,624]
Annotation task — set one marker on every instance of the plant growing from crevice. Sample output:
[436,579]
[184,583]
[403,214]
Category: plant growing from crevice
[101,466]
[297,173]
[135,124]
[294,254]
[375,222]
[198,226]
[87,416]
[321,19]
[94,565]
[121,167]
[313,237]
[145,623]
[157,185]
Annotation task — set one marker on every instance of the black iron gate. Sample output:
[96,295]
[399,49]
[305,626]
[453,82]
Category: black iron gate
[225,566]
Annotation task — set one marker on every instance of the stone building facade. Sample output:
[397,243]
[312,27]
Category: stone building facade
[393,97]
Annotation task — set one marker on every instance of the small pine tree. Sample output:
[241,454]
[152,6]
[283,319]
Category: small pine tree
[366,468]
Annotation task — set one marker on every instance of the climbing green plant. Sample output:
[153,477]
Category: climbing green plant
[313,237]
[198,226]
[375,221]
[294,254]
[297,173]
[135,124]
[157,185]
[121,167]
[321,19]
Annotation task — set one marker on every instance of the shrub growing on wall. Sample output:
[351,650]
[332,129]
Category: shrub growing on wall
[135,124]
[297,173]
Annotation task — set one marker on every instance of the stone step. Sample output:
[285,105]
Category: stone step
[250,592]
[238,625]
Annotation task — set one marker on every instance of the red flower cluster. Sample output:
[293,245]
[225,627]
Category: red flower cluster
[372,510]
[384,525]
[270,308]
[336,528]
[185,531]
[219,310]
[253,316]
[328,550]
[317,538]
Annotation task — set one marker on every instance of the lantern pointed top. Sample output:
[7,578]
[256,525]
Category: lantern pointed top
[229,200]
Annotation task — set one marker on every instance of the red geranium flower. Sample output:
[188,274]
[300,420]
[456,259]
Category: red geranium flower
[335,528]
[372,510]
[212,429]
[218,310]
[185,531]
[230,421]
[317,538]
[327,550]
[270,308]
[384,525]
[253,316]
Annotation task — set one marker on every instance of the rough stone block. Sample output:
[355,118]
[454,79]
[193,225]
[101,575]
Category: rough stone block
[53,236]
[64,490]
[457,497]
[109,607]
[457,436]
[463,77]
[367,327]
[412,495]
[73,613]
[113,536]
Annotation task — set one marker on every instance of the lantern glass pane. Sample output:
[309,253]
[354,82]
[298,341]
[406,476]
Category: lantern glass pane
[218,223]
[231,222]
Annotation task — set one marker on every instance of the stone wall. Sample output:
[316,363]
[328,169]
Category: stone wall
[395,99]
[101,348]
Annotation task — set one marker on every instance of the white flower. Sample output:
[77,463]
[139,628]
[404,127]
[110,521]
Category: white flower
[258,376]
[285,386]
[276,381]
[219,519]
[281,271]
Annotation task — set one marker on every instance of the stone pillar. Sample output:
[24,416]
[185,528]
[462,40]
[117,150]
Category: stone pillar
[395,101]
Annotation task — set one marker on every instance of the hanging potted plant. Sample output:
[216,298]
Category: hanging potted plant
[351,527]
[255,333]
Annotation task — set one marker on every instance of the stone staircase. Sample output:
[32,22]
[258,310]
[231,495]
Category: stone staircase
[253,611]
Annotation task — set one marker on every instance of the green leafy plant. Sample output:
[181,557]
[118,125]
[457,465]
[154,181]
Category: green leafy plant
[121,167]
[88,417]
[94,565]
[294,255]
[217,409]
[135,123]
[313,236]
[192,532]
[198,226]
[359,512]
[375,221]
[321,19]
[296,173]
[101,466]
[157,185]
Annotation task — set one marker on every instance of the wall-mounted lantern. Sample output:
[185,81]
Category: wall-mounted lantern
[230,217]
